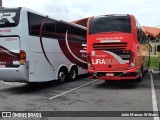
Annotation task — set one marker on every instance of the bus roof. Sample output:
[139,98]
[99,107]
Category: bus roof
[111,15]
[5,8]
[32,11]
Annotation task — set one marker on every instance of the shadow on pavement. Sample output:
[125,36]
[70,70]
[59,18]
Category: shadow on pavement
[127,84]
[118,85]
[29,88]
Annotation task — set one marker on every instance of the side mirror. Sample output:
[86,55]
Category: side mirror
[158,48]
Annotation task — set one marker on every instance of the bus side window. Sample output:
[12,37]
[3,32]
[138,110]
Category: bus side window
[138,34]
[61,28]
[84,33]
[34,22]
[50,28]
[77,32]
[143,37]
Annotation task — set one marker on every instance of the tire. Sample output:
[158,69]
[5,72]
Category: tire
[62,76]
[73,74]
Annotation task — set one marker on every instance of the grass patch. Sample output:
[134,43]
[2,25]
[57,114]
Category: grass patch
[154,62]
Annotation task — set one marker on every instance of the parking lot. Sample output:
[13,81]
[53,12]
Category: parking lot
[84,95]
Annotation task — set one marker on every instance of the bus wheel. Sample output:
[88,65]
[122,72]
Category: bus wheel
[73,74]
[62,76]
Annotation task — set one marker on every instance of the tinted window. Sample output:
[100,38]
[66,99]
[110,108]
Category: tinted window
[49,28]
[141,35]
[80,34]
[75,31]
[84,32]
[50,25]
[34,23]
[61,27]
[110,24]
[54,29]
[9,18]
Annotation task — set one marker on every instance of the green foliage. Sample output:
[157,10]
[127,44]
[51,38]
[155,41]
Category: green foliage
[154,62]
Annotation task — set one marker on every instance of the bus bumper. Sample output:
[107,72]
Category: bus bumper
[20,74]
[109,75]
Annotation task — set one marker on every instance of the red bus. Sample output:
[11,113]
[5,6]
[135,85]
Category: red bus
[117,48]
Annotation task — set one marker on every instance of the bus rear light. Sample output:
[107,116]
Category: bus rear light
[131,65]
[22,57]
[132,61]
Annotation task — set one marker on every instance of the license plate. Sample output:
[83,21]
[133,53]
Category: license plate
[110,74]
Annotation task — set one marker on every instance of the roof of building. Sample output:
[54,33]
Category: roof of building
[82,22]
[152,31]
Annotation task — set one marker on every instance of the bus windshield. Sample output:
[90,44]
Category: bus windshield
[104,24]
[9,17]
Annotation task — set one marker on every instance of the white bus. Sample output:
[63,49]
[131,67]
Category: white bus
[37,48]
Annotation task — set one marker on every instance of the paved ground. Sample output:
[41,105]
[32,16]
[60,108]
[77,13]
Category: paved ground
[83,95]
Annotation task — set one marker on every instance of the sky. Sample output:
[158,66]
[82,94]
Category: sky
[146,11]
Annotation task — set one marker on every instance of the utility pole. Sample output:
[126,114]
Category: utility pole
[0,3]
